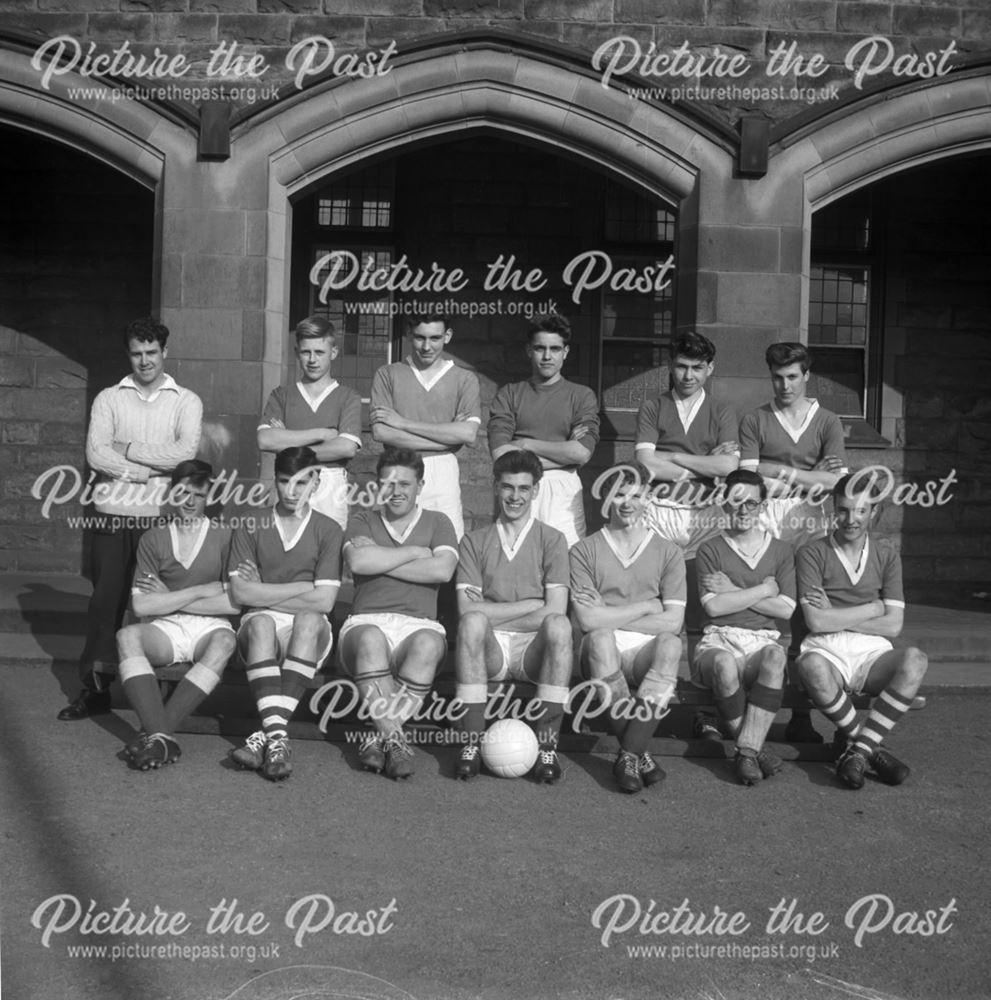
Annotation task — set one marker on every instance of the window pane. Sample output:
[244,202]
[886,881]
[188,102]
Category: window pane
[361,200]
[632,218]
[362,320]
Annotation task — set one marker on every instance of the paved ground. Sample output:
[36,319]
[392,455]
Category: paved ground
[486,890]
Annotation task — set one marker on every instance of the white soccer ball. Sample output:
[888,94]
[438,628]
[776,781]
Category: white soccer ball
[509,748]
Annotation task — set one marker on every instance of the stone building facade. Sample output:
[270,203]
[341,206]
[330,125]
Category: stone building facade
[811,170]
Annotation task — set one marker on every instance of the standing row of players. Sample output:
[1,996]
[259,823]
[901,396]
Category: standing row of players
[429,404]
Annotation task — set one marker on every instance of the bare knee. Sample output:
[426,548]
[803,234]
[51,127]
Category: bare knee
[557,630]
[773,662]
[129,641]
[816,674]
[307,626]
[472,628]
[725,676]
[914,665]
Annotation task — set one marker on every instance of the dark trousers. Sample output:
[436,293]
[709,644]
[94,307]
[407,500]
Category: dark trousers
[114,547]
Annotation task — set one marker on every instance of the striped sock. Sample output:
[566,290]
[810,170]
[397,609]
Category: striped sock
[888,707]
[265,684]
[198,682]
[409,699]
[731,709]
[296,676]
[841,713]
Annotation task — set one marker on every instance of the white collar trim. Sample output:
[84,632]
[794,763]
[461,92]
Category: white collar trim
[688,414]
[510,549]
[796,435]
[313,402]
[854,573]
[751,561]
[197,545]
[429,381]
[287,542]
[625,562]
[400,537]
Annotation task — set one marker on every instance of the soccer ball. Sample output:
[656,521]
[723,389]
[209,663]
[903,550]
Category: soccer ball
[509,748]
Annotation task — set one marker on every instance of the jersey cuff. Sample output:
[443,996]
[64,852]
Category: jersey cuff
[263,427]
[473,420]
[788,601]
[468,586]
[705,598]
[892,603]
[749,463]
[326,583]
[447,548]
[549,585]
[644,446]
[351,437]
[674,604]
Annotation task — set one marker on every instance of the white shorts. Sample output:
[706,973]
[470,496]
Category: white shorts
[442,489]
[514,646]
[687,527]
[185,632]
[396,629]
[283,631]
[741,643]
[331,495]
[796,521]
[559,503]
[628,644]
[852,653]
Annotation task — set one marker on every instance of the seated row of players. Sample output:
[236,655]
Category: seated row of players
[628,595]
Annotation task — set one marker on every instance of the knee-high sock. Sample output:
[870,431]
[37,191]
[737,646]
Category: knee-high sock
[547,725]
[617,702]
[198,682]
[378,693]
[473,698]
[731,709]
[888,707]
[265,684]
[409,699]
[763,703]
[653,698]
[296,675]
[142,693]
[841,713]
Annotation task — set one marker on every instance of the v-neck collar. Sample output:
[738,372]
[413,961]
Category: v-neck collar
[197,544]
[511,549]
[796,435]
[854,573]
[625,562]
[687,416]
[313,402]
[287,542]
[754,560]
[429,381]
[400,537]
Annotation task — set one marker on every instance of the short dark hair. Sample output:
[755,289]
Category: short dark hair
[746,477]
[549,323]
[314,328]
[788,352]
[510,463]
[694,346]
[404,457]
[198,472]
[146,330]
[428,316]
[292,461]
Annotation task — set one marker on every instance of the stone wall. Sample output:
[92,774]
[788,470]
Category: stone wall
[75,266]
[761,31]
